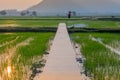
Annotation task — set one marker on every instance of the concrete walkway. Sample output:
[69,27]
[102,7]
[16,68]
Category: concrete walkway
[61,63]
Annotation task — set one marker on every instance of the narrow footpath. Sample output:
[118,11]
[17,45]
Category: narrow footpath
[61,63]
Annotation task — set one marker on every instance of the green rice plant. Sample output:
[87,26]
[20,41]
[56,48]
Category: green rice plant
[22,54]
[53,22]
[100,63]
[5,40]
[38,45]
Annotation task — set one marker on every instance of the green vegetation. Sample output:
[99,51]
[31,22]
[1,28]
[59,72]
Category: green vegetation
[53,22]
[100,63]
[37,46]
[20,50]
[6,40]
[97,23]
[20,54]
[107,37]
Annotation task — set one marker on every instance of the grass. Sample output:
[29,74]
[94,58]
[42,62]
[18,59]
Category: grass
[37,46]
[39,23]
[107,37]
[53,22]
[100,63]
[6,40]
[22,53]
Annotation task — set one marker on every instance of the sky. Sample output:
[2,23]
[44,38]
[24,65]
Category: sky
[17,4]
[24,4]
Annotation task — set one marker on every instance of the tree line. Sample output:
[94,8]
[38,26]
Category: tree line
[22,13]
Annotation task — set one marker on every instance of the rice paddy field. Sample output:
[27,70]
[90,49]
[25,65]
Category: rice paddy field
[19,51]
[102,54]
[54,23]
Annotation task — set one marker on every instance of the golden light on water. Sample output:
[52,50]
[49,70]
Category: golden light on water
[9,70]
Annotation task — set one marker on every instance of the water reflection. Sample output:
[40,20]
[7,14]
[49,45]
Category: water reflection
[9,70]
[78,25]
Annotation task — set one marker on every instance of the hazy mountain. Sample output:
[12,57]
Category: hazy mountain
[63,6]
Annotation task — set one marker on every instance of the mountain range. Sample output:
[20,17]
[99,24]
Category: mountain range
[63,6]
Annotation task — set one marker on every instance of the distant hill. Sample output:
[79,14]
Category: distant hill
[60,7]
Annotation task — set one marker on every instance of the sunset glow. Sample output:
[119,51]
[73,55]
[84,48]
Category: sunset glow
[9,70]
[17,4]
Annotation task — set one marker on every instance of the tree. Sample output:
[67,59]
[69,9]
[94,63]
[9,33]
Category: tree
[3,12]
[22,13]
[34,13]
[74,13]
[25,13]
[69,14]
[112,17]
